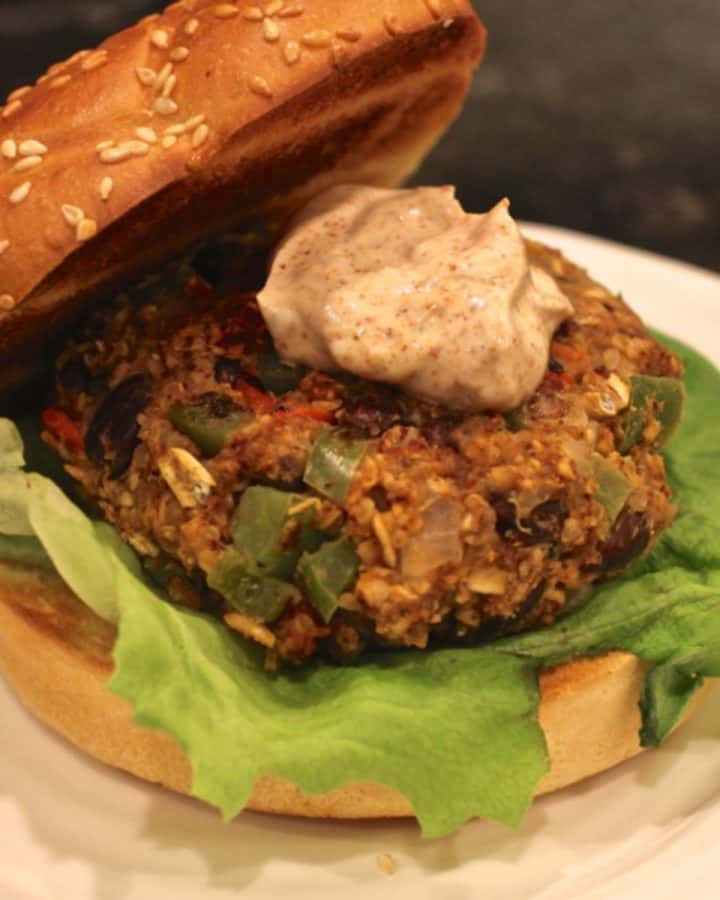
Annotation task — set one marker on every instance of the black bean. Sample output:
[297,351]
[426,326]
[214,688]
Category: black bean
[498,625]
[628,539]
[366,419]
[505,513]
[229,370]
[113,431]
[379,497]
[542,525]
[74,376]
[565,329]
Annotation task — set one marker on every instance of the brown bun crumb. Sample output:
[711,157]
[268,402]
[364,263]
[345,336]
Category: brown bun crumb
[57,656]
[210,116]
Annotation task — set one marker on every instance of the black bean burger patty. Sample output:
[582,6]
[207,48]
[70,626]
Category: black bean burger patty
[323,514]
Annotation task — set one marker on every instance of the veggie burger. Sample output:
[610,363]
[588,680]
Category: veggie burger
[363,509]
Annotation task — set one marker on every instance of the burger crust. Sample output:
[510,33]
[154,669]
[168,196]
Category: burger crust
[94,188]
[56,653]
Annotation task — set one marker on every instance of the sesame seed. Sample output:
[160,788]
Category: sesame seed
[94,61]
[57,68]
[191,26]
[164,106]
[18,93]
[169,141]
[146,134]
[319,38]
[160,39]
[85,230]
[273,8]
[136,148]
[103,145]
[8,148]
[392,24]
[60,81]
[32,148]
[271,31]
[291,52]
[448,23]
[114,154]
[4,246]
[225,11]
[175,130]
[20,193]
[290,12]
[11,108]
[7,302]
[200,136]
[80,54]
[30,162]
[163,76]
[435,8]
[259,86]
[106,186]
[169,86]
[179,54]
[253,14]
[191,123]
[73,215]
[146,76]
[349,35]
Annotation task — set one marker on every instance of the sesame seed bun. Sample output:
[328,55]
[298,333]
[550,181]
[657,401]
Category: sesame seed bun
[56,653]
[208,116]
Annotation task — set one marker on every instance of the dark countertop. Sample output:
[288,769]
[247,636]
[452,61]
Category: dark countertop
[598,116]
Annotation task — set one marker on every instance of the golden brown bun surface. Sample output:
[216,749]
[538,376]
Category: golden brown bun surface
[209,116]
[57,656]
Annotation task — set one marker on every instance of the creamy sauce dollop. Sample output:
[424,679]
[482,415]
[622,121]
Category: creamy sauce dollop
[404,286]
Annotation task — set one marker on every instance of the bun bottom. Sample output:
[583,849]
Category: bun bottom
[57,656]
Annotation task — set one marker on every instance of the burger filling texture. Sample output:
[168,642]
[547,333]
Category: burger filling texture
[321,513]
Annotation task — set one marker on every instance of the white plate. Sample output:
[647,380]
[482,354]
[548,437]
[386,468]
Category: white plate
[73,829]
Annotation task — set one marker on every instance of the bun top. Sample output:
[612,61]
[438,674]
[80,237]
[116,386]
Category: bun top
[210,116]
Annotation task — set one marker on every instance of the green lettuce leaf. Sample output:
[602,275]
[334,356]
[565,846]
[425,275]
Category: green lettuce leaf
[668,690]
[424,724]
[455,731]
[38,523]
[11,447]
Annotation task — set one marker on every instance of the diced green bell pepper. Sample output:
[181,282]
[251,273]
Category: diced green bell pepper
[259,529]
[327,573]
[209,421]
[667,395]
[278,375]
[613,487]
[515,419]
[264,599]
[332,465]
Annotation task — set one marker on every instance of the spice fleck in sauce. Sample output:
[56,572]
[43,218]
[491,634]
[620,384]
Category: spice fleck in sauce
[404,286]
